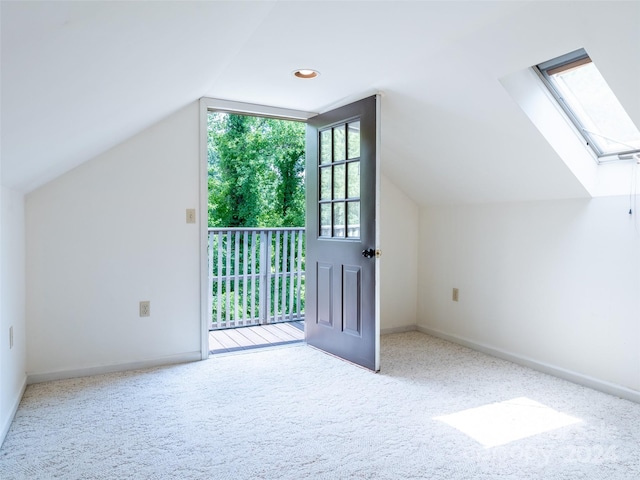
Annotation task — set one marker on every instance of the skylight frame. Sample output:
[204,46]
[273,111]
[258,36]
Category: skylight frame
[565,63]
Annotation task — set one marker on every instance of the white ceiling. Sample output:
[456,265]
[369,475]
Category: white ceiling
[80,77]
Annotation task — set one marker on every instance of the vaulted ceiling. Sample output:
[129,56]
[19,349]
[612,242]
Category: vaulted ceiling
[80,77]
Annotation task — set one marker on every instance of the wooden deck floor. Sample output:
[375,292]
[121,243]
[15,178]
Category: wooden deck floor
[245,338]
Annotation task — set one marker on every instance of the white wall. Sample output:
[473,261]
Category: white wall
[107,235]
[555,282]
[398,263]
[12,306]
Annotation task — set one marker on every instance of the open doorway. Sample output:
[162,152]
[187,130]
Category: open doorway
[341,265]
[256,235]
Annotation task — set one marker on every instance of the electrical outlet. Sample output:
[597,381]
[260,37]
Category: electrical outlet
[145,308]
[11,337]
[191,215]
[454,295]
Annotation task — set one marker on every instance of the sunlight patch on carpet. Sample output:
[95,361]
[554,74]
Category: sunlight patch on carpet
[504,422]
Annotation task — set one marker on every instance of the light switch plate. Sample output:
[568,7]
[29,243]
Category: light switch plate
[145,308]
[191,215]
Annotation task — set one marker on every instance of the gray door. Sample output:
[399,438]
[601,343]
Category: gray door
[341,305]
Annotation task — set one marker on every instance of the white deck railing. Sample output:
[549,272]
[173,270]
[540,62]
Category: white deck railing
[256,276]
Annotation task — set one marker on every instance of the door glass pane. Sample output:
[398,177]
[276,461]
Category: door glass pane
[353,219]
[353,180]
[354,140]
[325,220]
[325,147]
[339,185]
[338,219]
[325,183]
[339,143]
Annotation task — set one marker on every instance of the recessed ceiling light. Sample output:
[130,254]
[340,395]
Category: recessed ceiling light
[306,73]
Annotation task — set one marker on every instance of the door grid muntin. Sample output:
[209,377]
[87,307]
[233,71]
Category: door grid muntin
[339,181]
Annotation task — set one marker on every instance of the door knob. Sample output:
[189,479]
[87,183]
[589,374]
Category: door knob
[369,253]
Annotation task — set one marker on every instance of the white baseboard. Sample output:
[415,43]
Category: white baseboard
[580,379]
[404,328]
[14,408]
[118,367]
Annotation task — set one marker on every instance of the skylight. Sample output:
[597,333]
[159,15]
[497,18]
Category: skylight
[583,93]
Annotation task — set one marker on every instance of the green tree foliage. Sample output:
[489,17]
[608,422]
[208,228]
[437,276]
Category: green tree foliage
[256,171]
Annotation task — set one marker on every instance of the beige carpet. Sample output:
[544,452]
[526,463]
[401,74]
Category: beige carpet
[436,411]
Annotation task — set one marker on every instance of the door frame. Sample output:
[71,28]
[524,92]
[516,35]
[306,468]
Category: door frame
[207,104]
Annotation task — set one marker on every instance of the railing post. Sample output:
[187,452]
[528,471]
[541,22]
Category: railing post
[254,278]
[265,270]
[245,277]
[267,317]
[276,278]
[210,275]
[292,269]
[299,274]
[236,277]
[219,283]
[227,283]
[283,282]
